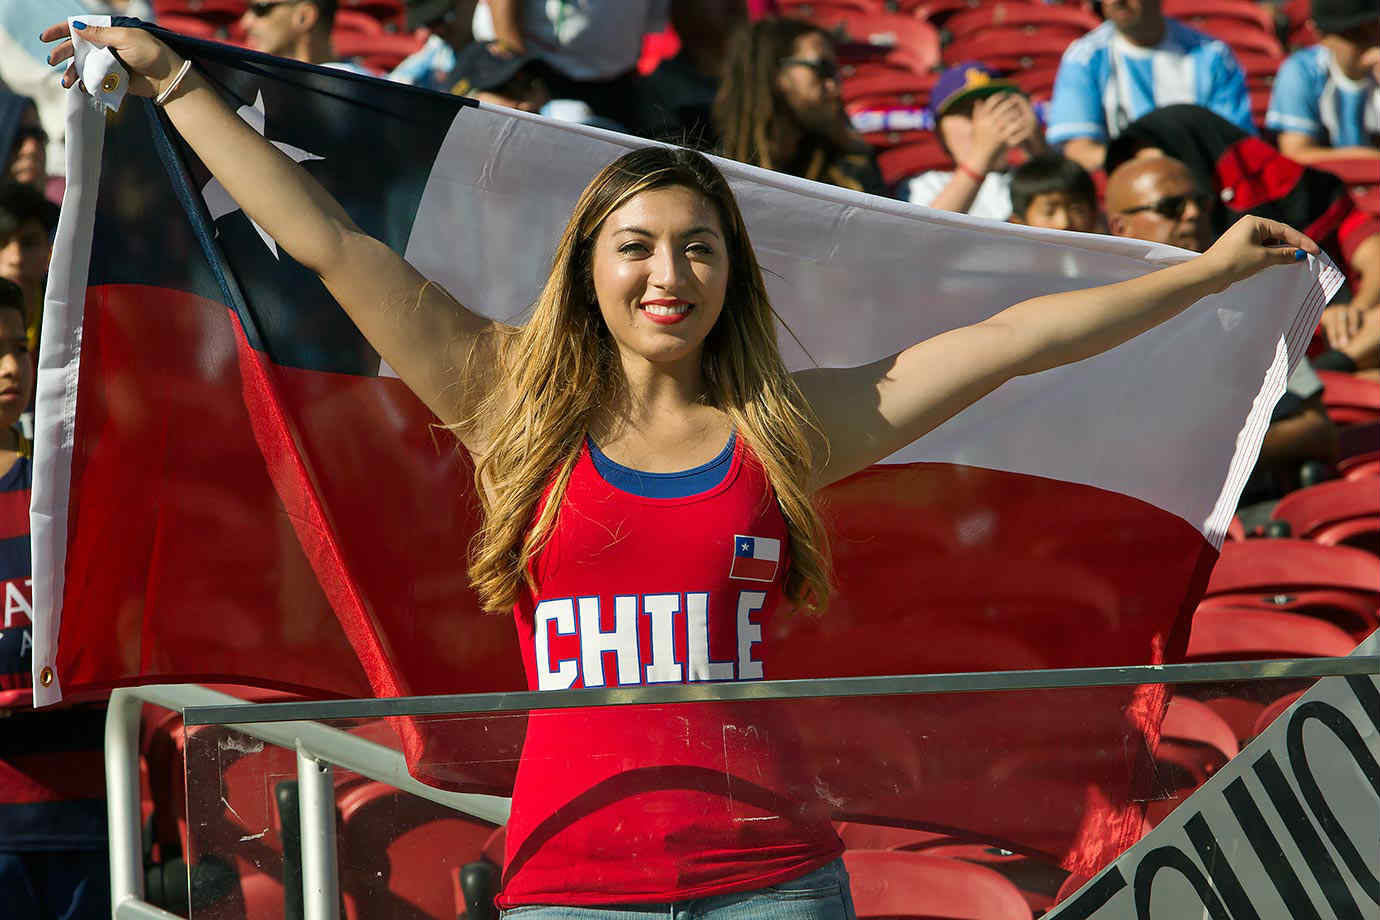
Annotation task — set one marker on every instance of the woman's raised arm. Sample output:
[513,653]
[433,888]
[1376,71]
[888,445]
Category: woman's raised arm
[867,413]
[423,333]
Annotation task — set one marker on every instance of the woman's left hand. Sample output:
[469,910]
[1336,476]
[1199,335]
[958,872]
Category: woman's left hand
[1254,243]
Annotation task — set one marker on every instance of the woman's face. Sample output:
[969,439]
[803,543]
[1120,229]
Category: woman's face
[661,268]
[808,82]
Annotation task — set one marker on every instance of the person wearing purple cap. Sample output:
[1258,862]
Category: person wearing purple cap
[979,119]
[1325,104]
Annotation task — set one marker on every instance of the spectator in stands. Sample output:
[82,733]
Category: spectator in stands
[1053,191]
[23,143]
[1248,176]
[979,120]
[591,48]
[1136,61]
[297,29]
[1157,198]
[779,107]
[53,859]
[1325,104]
[676,100]
[433,65]
[27,222]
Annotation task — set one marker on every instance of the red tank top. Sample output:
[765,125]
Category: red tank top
[629,804]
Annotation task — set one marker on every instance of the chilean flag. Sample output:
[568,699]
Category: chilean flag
[755,558]
[231,487]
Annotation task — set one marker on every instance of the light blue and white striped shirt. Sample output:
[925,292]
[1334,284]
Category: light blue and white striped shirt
[1105,82]
[1311,96]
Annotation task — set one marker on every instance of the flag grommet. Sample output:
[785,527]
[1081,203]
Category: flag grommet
[45,677]
[110,83]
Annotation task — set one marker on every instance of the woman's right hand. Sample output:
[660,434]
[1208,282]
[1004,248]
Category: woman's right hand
[151,64]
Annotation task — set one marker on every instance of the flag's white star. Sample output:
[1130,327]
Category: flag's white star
[218,200]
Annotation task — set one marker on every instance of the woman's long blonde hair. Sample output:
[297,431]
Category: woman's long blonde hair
[562,369]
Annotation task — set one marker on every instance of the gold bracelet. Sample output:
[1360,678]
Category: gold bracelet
[176,81]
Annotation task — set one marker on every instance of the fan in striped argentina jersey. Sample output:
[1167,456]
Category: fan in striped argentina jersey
[1326,99]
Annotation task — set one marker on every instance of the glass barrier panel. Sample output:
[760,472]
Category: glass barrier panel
[935,801]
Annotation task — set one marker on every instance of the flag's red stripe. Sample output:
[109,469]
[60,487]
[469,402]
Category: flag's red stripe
[754,569]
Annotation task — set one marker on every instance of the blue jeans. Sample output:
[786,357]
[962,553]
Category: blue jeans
[821,895]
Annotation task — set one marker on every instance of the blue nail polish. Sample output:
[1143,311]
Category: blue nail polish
[1300,255]
[79,24]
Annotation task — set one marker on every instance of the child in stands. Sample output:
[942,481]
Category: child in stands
[1055,192]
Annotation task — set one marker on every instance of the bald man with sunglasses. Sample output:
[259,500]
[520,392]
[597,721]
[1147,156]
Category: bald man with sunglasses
[1157,198]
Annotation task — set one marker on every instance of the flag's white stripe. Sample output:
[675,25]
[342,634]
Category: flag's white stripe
[858,277]
[56,400]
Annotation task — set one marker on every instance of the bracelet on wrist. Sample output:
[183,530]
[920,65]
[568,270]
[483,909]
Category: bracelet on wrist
[168,90]
[971,173]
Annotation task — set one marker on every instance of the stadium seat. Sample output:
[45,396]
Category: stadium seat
[1007,51]
[920,154]
[1357,173]
[1297,25]
[1274,711]
[901,885]
[911,41]
[1349,399]
[809,9]
[388,12]
[1240,35]
[937,12]
[884,86]
[397,850]
[1244,11]
[1195,742]
[348,20]
[1337,584]
[1037,82]
[216,12]
[1049,20]
[1342,512]
[194,26]
[1259,67]
[1358,450]
[381,51]
[1221,633]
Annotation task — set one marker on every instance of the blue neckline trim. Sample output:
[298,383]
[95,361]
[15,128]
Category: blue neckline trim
[680,484]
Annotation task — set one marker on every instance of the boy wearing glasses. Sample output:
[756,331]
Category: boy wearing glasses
[1156,198]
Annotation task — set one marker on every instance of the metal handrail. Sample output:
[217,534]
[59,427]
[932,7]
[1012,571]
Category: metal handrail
[242,714]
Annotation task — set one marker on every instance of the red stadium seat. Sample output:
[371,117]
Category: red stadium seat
[921,154]
[935,11]
[884,86]
[900,885]
[1358,447]
[1298,23]
[1012,51]
[1195,742]
[1245,11]
[194,26]
[1037,82]
[1259,67]
[1343,512]
[1274,711]
[388,12]
[1338,584]
[1240,35]
[1350,400]
[356,21]
[1357,172]
[1050,20]
[216,12]
[382,51]
[1249,633]
[397,850]
[911,41]
[1236,531]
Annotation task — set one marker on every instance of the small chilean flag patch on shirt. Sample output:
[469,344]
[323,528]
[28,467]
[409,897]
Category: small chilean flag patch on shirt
[755,558]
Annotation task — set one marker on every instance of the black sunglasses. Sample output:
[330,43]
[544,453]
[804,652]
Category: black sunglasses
[1173,206]
[261,8]
[825,69]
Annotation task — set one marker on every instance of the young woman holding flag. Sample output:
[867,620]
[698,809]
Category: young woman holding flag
[643,454]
